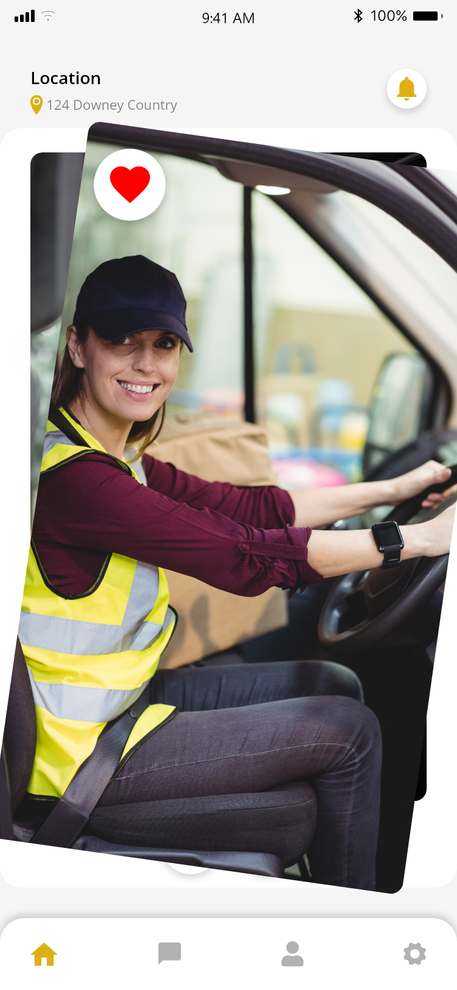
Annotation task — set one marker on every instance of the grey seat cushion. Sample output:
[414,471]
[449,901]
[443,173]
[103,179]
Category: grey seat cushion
[281,821]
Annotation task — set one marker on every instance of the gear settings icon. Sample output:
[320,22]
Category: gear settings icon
[414,953]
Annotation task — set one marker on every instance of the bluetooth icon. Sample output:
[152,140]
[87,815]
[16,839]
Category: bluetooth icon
[358,14]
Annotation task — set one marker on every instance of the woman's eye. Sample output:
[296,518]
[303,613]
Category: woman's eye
[167,342]
[123,340]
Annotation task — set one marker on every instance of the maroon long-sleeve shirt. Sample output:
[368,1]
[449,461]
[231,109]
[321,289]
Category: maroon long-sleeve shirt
[238,539]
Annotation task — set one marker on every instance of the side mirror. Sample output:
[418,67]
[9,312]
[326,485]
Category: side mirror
[400,406]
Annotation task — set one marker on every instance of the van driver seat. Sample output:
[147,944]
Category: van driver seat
[259,833]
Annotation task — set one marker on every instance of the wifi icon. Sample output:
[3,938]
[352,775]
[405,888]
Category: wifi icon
[48,14]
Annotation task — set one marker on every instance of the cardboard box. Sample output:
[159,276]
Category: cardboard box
[216,448]
[210,620]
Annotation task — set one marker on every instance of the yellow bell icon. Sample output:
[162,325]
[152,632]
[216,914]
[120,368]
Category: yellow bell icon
[406,88]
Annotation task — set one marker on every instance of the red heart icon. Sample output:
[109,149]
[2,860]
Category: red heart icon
[130,182]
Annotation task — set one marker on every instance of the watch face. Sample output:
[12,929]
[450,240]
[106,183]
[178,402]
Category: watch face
[389,534]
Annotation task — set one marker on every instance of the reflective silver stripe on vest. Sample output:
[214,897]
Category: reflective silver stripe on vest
[140,472]
[54,437]
[83,704]
[142,640]
[73,636]
[135,465]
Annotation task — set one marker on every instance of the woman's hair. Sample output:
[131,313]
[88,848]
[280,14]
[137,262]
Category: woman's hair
[67,387]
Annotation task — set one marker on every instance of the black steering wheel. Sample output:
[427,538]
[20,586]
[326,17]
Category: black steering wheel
[364,607]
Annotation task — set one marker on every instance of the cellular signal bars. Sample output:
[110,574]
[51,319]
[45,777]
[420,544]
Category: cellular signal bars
[28,16]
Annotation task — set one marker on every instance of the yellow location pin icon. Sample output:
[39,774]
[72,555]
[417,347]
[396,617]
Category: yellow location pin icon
[36,103]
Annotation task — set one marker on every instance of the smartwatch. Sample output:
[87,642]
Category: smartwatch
[389,541]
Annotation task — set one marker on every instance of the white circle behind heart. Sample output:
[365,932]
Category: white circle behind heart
[112,201]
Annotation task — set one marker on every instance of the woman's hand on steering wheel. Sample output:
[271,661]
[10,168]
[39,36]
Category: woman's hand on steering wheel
[426,476]
[385,599]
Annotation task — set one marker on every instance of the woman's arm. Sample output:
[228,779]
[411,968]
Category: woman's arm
[334,552]
[269,507]
[321,506]
[90,507]
[265,506]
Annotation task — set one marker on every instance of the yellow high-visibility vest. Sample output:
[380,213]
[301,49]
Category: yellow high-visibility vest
[90,656]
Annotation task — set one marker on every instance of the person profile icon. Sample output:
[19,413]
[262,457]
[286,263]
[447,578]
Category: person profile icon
[292,959]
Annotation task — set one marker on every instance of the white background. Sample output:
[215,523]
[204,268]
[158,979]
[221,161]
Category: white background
[300,68]
[125,952]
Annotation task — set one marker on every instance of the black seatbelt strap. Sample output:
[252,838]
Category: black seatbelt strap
[70,816]
[58,419]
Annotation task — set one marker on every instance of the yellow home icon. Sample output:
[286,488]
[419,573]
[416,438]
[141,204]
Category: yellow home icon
[44,952]
[406,88]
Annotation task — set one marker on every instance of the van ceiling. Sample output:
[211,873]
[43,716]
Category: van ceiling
[250,174]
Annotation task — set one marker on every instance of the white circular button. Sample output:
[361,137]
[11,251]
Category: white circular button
[183,868]
[129,184]
[406,89]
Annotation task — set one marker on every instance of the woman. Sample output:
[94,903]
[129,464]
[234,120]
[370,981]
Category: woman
[95,616]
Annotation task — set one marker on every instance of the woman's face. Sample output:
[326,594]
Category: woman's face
[127,379]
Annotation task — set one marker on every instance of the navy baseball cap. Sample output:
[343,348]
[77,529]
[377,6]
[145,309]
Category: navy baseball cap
[127,295]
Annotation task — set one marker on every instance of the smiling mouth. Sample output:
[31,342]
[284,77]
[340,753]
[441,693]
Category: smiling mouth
[141,389]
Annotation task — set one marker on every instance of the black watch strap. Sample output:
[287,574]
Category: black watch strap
[389,541]
[392,557]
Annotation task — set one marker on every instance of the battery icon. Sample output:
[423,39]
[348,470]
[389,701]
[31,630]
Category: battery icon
[425,15]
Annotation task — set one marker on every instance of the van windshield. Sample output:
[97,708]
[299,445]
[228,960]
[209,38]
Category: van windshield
[421,261]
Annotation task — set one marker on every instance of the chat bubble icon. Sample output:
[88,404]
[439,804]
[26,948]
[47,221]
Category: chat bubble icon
[169,952]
